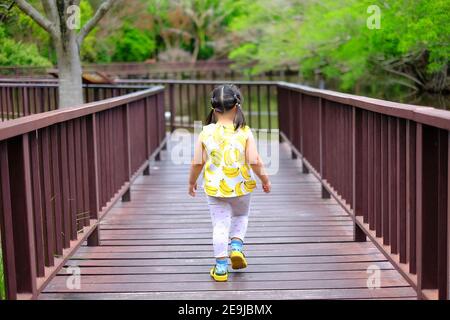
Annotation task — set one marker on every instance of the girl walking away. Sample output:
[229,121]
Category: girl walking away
[226,149]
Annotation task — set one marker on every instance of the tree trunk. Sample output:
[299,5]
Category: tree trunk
[70,73]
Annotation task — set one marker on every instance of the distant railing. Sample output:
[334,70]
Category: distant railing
[185,100]
[210,69]
[23,99]
[388,166]
[60,173]
[189,100]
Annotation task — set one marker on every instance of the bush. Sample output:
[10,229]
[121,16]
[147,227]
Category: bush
[14,53]
[134,45]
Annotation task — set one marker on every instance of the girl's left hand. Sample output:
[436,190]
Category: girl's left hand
[267,187]
[192,189]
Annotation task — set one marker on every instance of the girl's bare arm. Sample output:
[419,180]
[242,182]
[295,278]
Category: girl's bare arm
[196,167]
[255,161]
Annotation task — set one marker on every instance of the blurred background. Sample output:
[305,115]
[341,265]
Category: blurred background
[330,44]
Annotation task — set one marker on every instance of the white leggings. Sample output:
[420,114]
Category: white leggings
[230,220]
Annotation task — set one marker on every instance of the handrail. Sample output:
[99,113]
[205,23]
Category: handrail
[423,114]
[60,173]
[427,115]
[33,122]
[22,99]
[387,164]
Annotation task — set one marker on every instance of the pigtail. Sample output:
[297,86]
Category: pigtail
[211,118]
[239,119]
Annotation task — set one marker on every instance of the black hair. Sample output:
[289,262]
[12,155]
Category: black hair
[224,98]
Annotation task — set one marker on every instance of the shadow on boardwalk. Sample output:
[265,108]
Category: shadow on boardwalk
[158,246]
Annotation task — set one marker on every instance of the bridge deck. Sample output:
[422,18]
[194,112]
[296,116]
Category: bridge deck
[158,246]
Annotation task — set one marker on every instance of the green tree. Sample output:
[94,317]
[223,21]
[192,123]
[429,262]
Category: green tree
[133,45]
[60,20]
[13,53]
[330,39]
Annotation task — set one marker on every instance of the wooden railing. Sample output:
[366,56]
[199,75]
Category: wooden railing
[386,163]
[60,173]
[189,100]
[23,99]
[186,100]
[388,166]
[210,69]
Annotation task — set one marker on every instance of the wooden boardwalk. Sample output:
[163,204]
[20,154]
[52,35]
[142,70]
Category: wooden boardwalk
[158,246]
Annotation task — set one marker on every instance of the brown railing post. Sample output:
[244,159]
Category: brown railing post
[443,215]
[172,107]
[305,169]
[291,123]
[22,219]
[410,195]
[6,224]
[324,191]
[432,210]
[447,281]
[126,132]
[148,134]
[357,155]
[94,203]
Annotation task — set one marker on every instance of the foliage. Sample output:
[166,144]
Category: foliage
[330,39]
[2,280]
[133,45]
[14,53]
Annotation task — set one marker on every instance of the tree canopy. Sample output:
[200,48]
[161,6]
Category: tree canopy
[330,39]
[327,40]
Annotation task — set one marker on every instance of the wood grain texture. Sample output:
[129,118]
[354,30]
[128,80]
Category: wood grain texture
[158,246]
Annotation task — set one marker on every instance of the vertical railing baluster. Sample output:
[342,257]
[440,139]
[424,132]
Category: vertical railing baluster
[56,194]
[126,133]
[447,253]
[189,110]
[269,113]
[47,196]
[92,158]
[72,179]
[258,93]
[411,194]
[249,104]
[392,142]
[65,191]
[401,189]
[22,219]
[443,214]
[358,172]
[172,107]
[432,208]
[6,225]
[37,203]
[322,143]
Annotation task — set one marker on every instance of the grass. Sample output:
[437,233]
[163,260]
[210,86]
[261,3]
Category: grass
[2,280]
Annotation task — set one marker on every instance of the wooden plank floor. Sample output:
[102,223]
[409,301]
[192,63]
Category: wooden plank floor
[158,246]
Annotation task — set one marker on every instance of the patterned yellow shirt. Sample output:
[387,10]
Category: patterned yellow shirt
[226,172]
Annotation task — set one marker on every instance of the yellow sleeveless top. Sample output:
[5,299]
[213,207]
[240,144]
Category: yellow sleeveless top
[226,173]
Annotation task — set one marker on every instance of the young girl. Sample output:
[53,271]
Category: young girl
[227,150]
